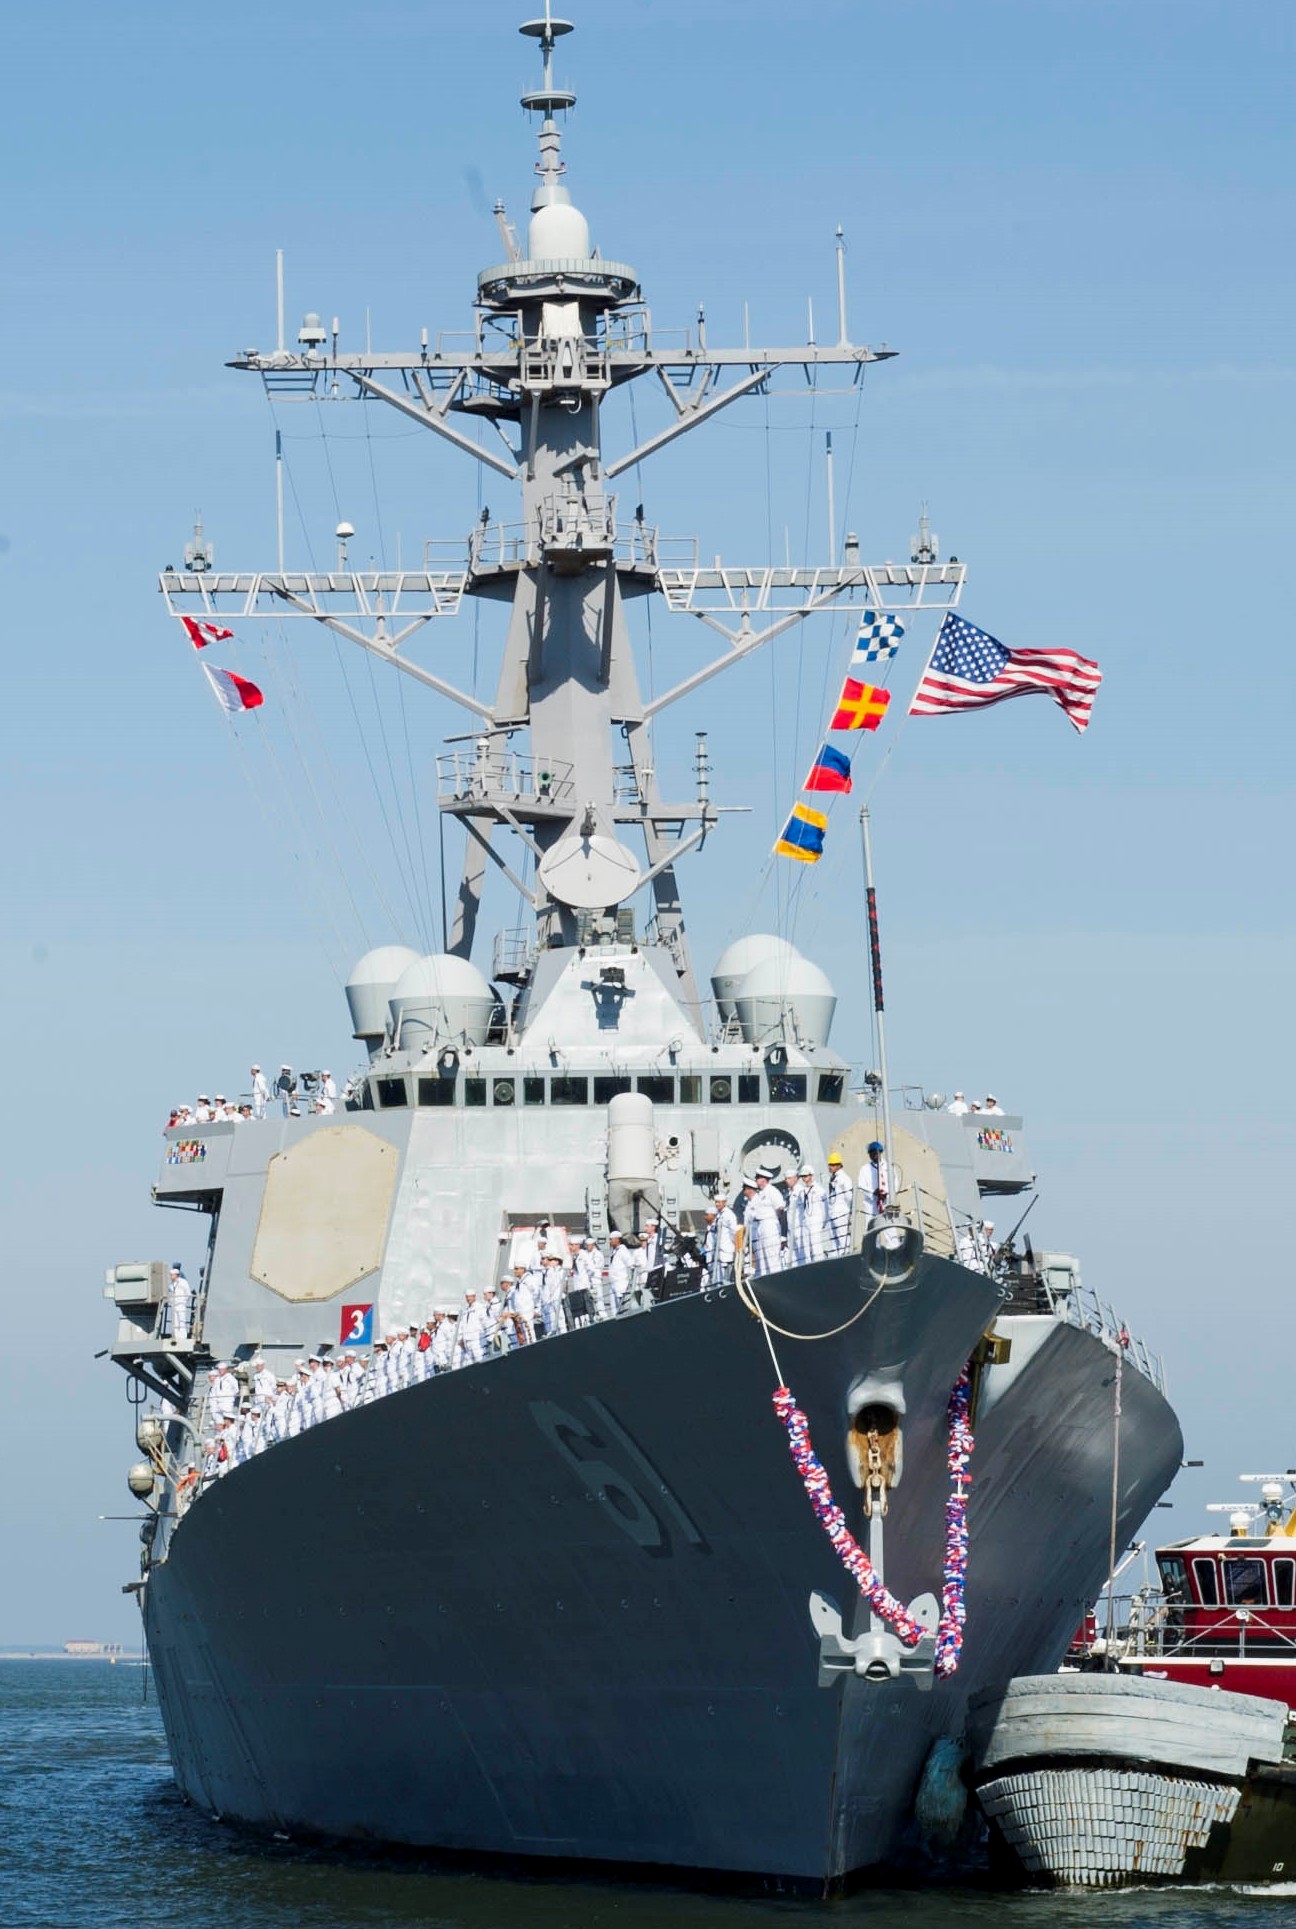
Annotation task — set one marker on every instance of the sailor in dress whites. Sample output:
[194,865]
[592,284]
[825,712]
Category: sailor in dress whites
[180,1301]
[444,1336]
[958,1105]
[620,1273]
[874,1181]
[588,1271]
[807,1219]
[724,1251]
[222,1393]
[992,1106]
[472,1331]
[264,1383]
[260,1093]
[763,1224]
[552,1311]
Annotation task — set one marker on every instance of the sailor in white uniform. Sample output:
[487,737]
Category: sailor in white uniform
[992,1106]
[263,1381]
[762,1224]
[443,1341]
[522,1305]
[720,1271]
[222,1393]
[328,1086]
[472,1331]
[260,1093]
[874,1182]
[180,1299]
[620,1274]
[553,1313]
[330,1392]
[958,1105]
[589,1274]
[807,1219]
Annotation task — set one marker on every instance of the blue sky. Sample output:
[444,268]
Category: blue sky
[1072,218]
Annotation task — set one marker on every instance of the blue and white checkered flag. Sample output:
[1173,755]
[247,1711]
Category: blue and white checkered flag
[879,637]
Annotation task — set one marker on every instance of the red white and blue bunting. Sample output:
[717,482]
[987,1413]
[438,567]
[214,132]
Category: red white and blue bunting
[949,1634]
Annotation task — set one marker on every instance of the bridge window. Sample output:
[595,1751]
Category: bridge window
[436,1091]
[474,1091]
[690,1089]
[533,1091]
[831,1087]
[1244,1583]
[391,1093]
[606,1088]
[721,1090]
[787,1088]
[1284,1583]
[505,1091]
[569,1091]
[749,1088]
[658,1086]
[1174,1578]
[1206,1575]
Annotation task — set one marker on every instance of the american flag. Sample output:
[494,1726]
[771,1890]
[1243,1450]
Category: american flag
[969,669]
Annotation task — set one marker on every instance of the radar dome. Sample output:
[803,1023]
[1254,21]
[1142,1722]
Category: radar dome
[785,1000]
[558,232]
[442,1000]
[370,986]
[737,959]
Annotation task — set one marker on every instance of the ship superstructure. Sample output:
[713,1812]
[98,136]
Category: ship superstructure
[570,1600]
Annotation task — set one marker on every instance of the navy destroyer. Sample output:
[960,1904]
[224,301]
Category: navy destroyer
[566,1597]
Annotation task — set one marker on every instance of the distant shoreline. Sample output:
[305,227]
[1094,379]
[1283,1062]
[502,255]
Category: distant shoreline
[35,1654]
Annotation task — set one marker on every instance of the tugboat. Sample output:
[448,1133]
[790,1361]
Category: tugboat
[1174,1759]
[571,1599]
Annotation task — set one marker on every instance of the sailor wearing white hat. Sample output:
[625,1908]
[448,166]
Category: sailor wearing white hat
[263,1381]
[473,1328]
[180,1301]
[724,1243]
[222,1392]
[588,1271]
[260,1093]
[621,1271]
[807,1219]
[763,1224]
[443,1342]
[958,1105]
[992,1106]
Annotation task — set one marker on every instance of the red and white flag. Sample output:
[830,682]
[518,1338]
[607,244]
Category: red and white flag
[201,634]
[233,693]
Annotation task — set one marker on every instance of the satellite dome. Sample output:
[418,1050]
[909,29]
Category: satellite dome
[370,986]
[737,959]
[789,1000]
[444,999]
[558,232]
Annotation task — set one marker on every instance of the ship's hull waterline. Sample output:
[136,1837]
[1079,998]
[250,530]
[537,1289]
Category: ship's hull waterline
[556,1605]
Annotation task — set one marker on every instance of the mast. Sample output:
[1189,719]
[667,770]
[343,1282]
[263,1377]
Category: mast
[559,326]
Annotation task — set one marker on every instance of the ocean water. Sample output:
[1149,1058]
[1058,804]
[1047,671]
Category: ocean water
[93,1836]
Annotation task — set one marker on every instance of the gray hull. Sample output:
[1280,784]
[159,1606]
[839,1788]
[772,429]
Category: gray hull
[557,1605]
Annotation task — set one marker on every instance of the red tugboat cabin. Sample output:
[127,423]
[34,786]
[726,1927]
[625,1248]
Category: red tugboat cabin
[1228,1613]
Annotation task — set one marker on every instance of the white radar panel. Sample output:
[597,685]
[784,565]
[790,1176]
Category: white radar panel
[589,873]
